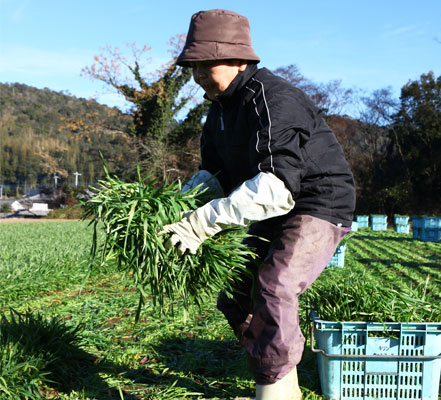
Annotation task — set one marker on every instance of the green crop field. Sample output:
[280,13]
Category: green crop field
[66,338]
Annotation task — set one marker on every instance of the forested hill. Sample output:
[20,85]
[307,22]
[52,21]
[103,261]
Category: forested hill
[43,132]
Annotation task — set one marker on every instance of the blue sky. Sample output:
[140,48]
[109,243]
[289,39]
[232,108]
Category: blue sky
[368,44]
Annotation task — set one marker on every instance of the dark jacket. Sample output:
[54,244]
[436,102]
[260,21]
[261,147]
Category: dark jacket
[262,123]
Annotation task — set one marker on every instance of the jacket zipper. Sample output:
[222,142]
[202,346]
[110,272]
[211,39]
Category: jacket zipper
[222,121]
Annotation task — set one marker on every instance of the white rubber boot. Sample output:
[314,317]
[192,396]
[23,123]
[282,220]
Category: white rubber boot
[285,389]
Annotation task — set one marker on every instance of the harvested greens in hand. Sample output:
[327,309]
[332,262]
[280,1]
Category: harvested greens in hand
[131,215]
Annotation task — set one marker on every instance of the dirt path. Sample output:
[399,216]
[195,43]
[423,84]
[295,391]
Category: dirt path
[20,220]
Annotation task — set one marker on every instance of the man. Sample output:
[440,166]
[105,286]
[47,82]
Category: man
[281,171]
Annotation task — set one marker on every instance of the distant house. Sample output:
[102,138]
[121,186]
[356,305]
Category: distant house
[40,209]
[26,208]
[17,206]
[32,192]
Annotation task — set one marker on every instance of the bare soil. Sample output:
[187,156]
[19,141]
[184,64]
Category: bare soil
[19,220]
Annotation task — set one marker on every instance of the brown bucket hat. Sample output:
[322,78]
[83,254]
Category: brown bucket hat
[217,35]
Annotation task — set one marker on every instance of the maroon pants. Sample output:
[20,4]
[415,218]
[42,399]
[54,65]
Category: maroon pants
[264,311]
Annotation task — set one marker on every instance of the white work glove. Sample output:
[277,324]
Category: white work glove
[211,185]
[265,196]
[184,237]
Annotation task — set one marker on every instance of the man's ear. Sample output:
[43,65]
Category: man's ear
[242,67]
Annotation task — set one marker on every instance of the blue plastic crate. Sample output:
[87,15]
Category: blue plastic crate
[401,220]
[363,221]
[430,235]
[359,361]
[354,226]
[431,222]
[426,222]
[401,228]
[378,226]
[378,219]
[416,222]
[338,259]
[416,232]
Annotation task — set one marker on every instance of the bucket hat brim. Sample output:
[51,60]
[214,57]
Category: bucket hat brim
[215,51]
[216,35]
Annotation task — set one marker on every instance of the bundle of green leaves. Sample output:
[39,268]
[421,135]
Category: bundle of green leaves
[131,214]
[342,295]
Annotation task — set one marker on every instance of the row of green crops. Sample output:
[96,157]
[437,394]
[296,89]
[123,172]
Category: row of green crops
[54,331]
[38,258]
[397,292]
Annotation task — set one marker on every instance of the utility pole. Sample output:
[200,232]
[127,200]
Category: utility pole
[77,174]
[56,179]
[1,191]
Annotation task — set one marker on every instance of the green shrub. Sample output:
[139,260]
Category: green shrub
[6,208]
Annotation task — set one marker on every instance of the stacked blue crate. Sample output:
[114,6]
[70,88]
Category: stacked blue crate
[430,235]
[379,222]
[338,259]
[363,221]
[416,227]
[402,224]
[427,229]
[402,228]
[354,226]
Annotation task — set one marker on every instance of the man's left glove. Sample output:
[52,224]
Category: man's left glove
[265,196]
[210,185]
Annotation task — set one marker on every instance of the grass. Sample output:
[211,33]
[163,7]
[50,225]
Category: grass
[37,352]
[41,258]
[180,356]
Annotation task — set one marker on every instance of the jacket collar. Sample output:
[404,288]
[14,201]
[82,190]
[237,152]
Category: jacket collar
[237,84]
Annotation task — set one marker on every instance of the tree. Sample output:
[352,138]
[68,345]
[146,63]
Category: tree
[376,116]
[157,99]
[418,133]
[379,107]
[185,130]
[375,144]
[331,97]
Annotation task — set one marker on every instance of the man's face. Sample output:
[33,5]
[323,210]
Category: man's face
[215,76]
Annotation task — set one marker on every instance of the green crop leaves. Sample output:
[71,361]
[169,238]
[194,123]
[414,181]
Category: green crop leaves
[353,295]
[132,214]
[36,351]
[33,263]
